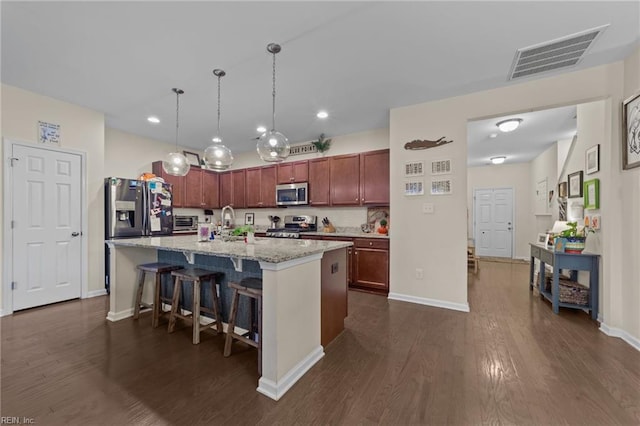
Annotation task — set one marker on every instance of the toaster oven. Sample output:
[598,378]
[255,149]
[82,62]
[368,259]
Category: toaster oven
[185,224]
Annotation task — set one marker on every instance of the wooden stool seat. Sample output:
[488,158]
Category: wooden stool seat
[252,288]
[197,276]
[157,268]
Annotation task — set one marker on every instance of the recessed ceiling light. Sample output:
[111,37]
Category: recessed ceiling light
[493,135]
[261,129]
[322,114]
[153,119]
[498,160]
[509,125]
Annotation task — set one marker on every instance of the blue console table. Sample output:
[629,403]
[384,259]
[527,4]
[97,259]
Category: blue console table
[574,263]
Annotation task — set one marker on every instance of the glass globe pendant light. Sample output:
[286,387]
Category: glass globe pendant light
[273,146]
[175,163]
[217,156]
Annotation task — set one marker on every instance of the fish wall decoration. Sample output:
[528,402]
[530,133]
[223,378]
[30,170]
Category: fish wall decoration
[425,144]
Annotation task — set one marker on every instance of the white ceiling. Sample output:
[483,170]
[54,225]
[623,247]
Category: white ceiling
[355,59]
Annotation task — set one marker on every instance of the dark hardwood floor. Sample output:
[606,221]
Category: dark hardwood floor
[509,361]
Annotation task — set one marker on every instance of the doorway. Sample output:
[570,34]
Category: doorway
[44,224]
[493,222]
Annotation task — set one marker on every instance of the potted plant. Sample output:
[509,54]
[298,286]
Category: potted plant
[383,227]
[322,144]
[575,237]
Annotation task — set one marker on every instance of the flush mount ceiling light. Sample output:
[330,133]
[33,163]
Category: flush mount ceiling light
[498,160]
[322,114]
[509,125]
[175,163]
[217,156]
[493,135]
[261,129]
[153,119]
[273,146]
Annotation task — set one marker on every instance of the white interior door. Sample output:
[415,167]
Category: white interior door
[47,224]
[493,218]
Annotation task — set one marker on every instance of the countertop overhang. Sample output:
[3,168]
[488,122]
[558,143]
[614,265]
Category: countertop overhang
[270,250]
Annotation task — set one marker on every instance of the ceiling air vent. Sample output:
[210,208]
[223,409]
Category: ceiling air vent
[552,55]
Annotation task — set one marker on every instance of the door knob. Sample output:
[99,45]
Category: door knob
[75,234]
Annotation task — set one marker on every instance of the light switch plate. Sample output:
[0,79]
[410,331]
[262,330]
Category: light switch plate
[427,208]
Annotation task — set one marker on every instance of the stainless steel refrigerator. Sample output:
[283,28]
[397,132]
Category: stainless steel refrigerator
[135,208]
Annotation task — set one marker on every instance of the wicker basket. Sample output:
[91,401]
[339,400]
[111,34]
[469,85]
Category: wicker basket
[573,292]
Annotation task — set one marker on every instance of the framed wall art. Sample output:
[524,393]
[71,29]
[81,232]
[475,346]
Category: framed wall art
[575,184]
[631,132]
[562,190]
[249,218]
[192,158]
[592,194]
[414,187]
[592,159]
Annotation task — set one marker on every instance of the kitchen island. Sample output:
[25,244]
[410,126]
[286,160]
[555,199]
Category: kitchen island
[302,281]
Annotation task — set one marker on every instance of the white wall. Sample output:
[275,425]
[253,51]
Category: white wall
[81,129]
[543,168]
[431,241]
[516,176]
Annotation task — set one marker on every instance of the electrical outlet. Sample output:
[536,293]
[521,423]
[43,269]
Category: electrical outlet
[419,273]
[427,208]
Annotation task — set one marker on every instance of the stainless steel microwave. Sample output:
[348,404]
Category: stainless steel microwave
[292,194]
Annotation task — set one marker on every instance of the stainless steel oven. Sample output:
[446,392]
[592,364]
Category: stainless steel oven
[292,194]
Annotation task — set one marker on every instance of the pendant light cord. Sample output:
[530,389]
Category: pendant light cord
[178,92]
[218,133]
[273,106]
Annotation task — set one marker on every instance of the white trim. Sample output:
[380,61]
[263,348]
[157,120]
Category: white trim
[2,313]
[290,263]
[7,245]
[95,293]
[117,316]
[275,391]
[616,332]
[462,307]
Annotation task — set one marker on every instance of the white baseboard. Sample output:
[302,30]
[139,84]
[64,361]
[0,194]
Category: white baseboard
[463,307]
[275,390]
[2,313]
[616,332]
[96,293]
[117,316]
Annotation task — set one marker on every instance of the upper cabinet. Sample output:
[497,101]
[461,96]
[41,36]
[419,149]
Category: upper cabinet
[232,189]
[374,177]
[345,180]
[193,188]
[295,172]
[260,187]
[210,189]
[177,183]
[319,182]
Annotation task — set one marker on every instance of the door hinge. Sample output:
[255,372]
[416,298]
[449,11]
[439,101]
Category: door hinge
[13,160]
[13,224]
[14,285]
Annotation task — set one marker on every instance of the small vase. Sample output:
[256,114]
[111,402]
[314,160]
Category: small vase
[574,245]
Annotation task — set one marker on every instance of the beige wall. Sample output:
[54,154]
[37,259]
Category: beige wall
[516,176]
[543,167]
[81,129]
[430,241]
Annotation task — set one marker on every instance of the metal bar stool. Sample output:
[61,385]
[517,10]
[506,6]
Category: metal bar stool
[197,276]
[252,288]
[158,269]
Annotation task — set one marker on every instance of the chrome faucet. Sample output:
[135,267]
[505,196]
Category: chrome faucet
[228,222]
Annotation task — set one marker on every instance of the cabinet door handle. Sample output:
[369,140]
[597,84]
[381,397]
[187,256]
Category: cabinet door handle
[356,252]
[356,199]
[370,243]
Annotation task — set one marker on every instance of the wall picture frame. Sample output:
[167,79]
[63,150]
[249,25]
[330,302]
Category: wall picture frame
[192,158]
[592,194]
[562,190]
[592,159]
[249,218]
[631,132]
[542,239]
[575,181]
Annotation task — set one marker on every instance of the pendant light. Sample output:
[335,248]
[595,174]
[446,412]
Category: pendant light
[175,163]
[217,156]
[273,146]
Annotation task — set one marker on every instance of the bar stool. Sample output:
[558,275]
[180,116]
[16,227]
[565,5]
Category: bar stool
[252,288]
[197,276]
[158,269]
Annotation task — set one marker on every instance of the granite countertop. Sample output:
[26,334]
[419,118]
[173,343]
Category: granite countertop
[271,250]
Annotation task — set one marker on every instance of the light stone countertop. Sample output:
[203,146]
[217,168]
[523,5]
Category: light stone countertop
[271,250]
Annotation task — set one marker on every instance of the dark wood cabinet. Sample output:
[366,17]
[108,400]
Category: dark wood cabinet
[193,188]
[374,178]
[226,187]
[177,183]
[238,200]
[319,182]
[345,180]
[210,189]
[371,264]
[295,172]
[260,186]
